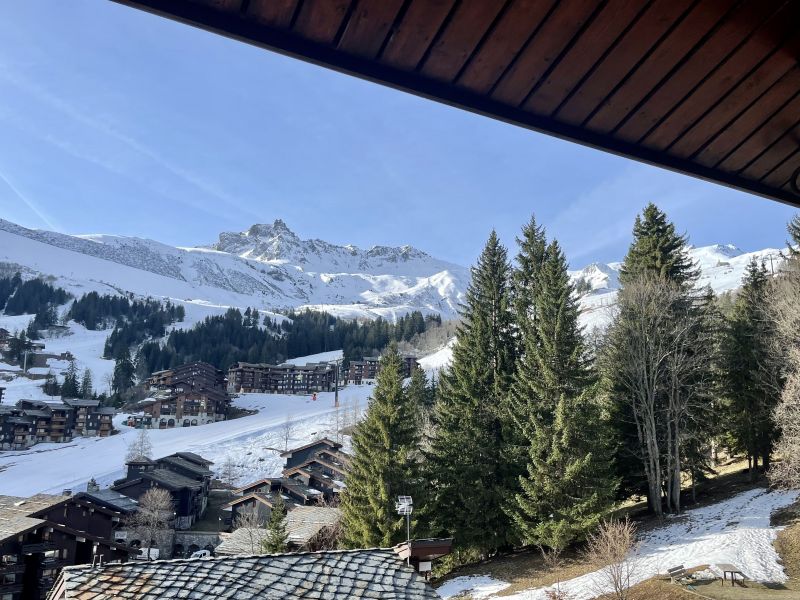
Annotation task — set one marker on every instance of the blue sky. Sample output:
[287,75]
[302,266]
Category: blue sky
[116,121]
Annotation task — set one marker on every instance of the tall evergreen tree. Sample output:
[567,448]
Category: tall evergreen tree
[657,250]
[793,228]
[468,469]
[277,535]
[569,480]
[385,462]
[70,388]
[124,370]
[751,378]
[87,385]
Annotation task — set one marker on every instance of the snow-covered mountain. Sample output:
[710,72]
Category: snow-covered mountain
[721,266]
[267,266]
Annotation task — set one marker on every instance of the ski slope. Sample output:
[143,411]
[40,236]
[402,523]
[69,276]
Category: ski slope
[252,443]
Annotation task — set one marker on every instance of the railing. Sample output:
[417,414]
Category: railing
[38,547]
[17,567]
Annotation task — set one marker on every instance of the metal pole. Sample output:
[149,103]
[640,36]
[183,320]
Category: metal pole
[336,391]
[25,361]
[408,537]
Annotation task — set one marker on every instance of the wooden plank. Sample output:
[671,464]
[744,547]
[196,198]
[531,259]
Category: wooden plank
[222,5]
[542,52]
[763,137]
[600,35]
[775,155]
[275,13]
[749,120]
[737,26]
[320,20]
[622,59]
[368,26]
[415,32]
[499,50]
[712,92]
[467,26]
[653,71]
[781,174]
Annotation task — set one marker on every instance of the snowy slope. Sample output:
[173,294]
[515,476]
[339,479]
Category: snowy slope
[249,441]
[267,266]
[721,267]
[736,530]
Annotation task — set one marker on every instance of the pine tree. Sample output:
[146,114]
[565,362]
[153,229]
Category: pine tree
[466,460]
[124,371]
[569,481]
[385,462]
[418,391]
[87,386]
[70,387]
[277,535]
[751,379]
[657,250]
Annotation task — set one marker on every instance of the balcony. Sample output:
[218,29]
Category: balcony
[17,567]
[38,547]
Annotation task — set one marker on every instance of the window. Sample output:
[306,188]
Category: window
[9,559]
[9,578]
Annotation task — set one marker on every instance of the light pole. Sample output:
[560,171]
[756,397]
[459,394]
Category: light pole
[336,362]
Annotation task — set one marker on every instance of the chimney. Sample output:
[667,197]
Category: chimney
[66,492]
[92,486]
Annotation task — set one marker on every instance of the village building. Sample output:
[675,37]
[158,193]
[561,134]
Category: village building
[188,395]
[375,574]
[43,533]
[185,475]
[313,475]
[281,379]
[366,371]
[31,422]
[91,419]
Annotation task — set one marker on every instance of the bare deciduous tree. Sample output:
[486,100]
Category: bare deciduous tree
[155,514]
[140,447]
[785,308]
[287,431]
[612,550]
[249,521]
[658,354]
[227,472]
[554,563]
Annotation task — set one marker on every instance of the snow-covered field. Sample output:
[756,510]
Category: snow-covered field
[735,531]
[251,443]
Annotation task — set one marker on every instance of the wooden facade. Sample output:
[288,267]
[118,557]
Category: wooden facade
[281,379]
[44,533]
[31,422]
[710,88]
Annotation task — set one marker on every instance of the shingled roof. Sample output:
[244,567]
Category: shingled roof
[377,574]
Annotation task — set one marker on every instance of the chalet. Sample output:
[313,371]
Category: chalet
[312,475]
[196,375]
[90,418]
[281,379]
[184,475]
[366,371]
[41,534]
[54,421]
[375,574]
[191,394]
[182,407]
[17,431]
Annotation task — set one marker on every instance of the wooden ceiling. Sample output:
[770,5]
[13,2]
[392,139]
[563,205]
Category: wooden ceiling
[710,88]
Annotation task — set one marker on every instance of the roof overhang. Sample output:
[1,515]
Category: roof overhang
[710,89]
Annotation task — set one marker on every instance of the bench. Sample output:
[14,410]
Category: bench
[677,573]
